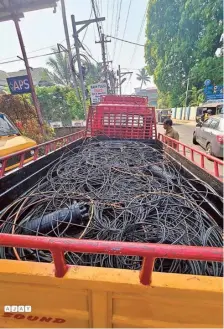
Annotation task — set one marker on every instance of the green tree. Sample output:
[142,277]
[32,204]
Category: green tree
[59,64]
[143,77]
[182,37]
[59,103]
[196,96]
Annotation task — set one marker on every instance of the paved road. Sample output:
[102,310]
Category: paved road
[186,134]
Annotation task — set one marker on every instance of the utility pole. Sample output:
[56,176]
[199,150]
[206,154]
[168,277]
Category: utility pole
[120,75]
[71,64]
[25,59]
[77,45]
[102,42]
[119,79]
[76,38]
[186,97]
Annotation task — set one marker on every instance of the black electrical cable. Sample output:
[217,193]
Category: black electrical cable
[128,191]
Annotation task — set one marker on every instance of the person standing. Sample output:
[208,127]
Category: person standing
[169,131]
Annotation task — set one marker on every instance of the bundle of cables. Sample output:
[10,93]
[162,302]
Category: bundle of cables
[116,191]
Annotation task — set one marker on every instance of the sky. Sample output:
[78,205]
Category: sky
[43,29]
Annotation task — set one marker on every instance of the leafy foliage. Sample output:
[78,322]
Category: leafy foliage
[182,38]
[23,115]
[59,65]
[61,75]
[59,104]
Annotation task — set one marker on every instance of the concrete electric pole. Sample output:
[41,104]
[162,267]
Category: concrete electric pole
[105,69]
[71,64]
[77,45]
[120,75]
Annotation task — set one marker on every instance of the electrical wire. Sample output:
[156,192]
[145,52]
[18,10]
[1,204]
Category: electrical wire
[107,19]
[125,27]
[88,25]
[119,5]
[133,43]
[139,35]
[95,14]
[131,192]
[37,56]
[112,20]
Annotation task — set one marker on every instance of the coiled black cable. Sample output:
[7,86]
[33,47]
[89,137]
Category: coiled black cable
[132,191]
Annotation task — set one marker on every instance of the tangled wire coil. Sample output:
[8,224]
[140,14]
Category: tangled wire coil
[117,191]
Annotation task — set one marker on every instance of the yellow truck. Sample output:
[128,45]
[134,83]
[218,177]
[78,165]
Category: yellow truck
[11,141]
[50,279]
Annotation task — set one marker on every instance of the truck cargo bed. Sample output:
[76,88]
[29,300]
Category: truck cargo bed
[130,190]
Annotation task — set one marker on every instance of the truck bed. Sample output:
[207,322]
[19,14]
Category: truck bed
[98,295]
[131,192]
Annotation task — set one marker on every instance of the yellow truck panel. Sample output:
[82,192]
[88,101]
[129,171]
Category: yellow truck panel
[107,298]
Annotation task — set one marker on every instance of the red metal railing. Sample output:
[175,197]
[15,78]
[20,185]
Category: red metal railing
[196,156]
[39,150]
[149,251]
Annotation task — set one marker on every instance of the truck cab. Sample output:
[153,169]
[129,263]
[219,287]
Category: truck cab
[12,141]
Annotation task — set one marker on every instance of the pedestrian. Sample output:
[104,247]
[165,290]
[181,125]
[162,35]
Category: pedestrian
[170,132]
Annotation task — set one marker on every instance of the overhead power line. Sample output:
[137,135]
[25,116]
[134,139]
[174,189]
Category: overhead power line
[37,56]
[112,16]
[95,14]
[126,22]
[133,43]
[117,26]
[88,25]
[139,34]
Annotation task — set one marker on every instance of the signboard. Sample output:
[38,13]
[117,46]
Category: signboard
[213,92]
[207,82]
[19,85]
[97,91]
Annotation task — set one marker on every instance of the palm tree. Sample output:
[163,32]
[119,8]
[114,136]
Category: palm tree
[143,77]
[61,74]
[60,67]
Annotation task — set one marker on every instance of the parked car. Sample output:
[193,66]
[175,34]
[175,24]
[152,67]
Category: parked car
[11,141]
[210,135]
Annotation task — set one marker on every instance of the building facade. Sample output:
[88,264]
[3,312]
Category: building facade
[150,92]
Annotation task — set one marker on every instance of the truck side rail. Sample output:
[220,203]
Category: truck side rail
[197,157]
[149,251]
[39,150]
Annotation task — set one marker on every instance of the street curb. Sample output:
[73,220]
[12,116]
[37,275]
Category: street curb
[193,123]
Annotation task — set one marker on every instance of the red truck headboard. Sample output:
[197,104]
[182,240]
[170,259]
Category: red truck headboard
[125,99]
[130,118]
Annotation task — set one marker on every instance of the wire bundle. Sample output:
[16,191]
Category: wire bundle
[132,193]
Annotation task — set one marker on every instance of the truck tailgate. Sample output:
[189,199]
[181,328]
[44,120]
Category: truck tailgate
[107,298]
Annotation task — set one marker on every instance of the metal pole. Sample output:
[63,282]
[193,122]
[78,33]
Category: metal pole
[119,78]
[104,60]
[71,64]
[34,96]
[75,35]
[186,97]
